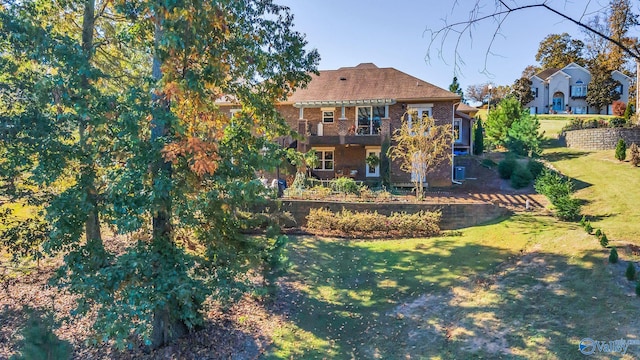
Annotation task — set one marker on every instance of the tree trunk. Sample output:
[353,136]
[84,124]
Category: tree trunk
[87,173]
[166,329]
[165,326]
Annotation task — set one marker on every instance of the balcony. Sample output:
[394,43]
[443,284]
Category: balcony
[343,131]
[348,139]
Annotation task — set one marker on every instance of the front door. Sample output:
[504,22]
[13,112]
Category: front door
[558,103]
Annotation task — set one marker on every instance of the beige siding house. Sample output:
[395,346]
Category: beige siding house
[564,91]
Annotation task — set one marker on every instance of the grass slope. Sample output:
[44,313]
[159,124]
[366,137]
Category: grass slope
[524,287]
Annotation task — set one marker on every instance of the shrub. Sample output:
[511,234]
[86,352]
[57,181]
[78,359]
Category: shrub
[628,111]
[635,154]
[588,228]
[630,273]
[618,108]
[568,208]
[613,256]
[638,288]
[506,167]
[598,233]
[617,122]
[583,220]
[604,241]
[368,224]
[552,185]
[621,150]
[558,190]
[345,185]
[535,167]
[521,177]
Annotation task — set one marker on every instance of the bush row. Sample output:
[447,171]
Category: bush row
[372,224]
[579,124]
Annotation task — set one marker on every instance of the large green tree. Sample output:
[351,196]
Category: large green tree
[559,50]
[511,126]
[175,171]
[522,91]
[601,87]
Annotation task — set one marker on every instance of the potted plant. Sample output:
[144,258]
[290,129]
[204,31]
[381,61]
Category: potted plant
[373,160]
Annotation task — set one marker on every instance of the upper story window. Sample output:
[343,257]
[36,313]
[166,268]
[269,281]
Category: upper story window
[420,111]
[579,90]
[328,115]
[534,90]
[368,119]
[618,89]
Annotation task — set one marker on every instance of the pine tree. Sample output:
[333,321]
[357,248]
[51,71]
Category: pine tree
[613,256]
[478,138]
[455,88]
[621,150]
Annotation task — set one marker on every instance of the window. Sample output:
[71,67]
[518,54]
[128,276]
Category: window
[579,90]
[535,92]
[327,116]
[618,89]
[579,110]
[368,119]
[325,157]
[373,171]
[457,130]
[421,112]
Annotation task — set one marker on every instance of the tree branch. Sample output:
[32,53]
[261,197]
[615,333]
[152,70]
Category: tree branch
[499,16]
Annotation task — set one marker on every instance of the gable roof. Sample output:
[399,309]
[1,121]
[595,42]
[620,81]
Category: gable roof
[621,73]
[366,82]
[576,66]
[544,74]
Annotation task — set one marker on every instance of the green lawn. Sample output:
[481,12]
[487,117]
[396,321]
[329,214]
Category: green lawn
[524,287]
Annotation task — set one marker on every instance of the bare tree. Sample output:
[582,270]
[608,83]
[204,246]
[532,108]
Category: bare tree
[420,146]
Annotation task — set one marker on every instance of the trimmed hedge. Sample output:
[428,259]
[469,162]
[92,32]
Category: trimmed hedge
[372,224]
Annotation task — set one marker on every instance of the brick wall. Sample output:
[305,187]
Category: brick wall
[601,139]
[454,216]
[442,113]
[441,175]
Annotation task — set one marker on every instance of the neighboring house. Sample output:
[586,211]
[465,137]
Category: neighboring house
[564,91]
[345,115]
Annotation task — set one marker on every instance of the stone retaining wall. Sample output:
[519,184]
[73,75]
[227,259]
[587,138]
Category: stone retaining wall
[601,139]
[454,216]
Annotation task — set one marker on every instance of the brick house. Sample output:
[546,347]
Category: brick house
[347,114]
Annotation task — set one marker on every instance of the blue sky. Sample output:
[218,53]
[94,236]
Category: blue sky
[392,33]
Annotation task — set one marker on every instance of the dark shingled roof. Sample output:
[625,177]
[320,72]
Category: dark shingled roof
[544,74]
[367,81]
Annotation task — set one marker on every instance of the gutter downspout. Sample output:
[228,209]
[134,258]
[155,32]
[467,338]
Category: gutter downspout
[453,116]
